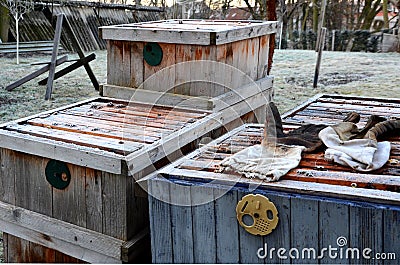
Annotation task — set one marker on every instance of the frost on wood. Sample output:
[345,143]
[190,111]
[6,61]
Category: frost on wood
[17,9]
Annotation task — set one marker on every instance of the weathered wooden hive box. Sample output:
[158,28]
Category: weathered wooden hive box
[197,58]
[68,176]
[327,213]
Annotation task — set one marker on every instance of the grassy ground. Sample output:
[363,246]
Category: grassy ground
[364,74]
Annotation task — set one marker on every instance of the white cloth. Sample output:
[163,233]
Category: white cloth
[360,154]
[265,162]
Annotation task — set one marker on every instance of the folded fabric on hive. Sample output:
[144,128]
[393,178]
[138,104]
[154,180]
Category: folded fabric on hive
[359,149]
[360,154]
[266,162]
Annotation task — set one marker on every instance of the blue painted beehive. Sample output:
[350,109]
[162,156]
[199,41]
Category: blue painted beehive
[327,213]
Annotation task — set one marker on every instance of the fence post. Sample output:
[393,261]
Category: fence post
[320,48]
[52,68]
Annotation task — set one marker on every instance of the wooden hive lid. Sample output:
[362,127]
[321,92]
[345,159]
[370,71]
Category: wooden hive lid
[314,175]
[102,133]
[190,31]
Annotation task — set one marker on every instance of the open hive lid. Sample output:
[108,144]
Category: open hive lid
[109,134]
[190,31]
[314,175]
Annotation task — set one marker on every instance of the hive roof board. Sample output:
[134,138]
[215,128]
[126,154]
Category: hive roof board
[190,31]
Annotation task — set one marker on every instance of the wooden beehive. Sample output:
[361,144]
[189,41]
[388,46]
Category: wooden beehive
[106,144]
[241,45]
[320,204]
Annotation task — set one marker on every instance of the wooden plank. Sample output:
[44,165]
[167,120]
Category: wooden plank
[78,155]
[148,108]
[156,97]
[366,231]
[158,123]
[81,128]
[391,232]
[190,35]
[279,237]
[137,205]
[343,192]
[35,74]
[52,66]
[182,230]
[38,253]
[159,213]
[6,243]
[70,68]
[202,73]
[59,235]
[93,200]
[304,228]
[137,64]
[203,217]
[337,177]
[252,58]
[226,226]
[262,65]
[248,244]
[365,101]
[242,93]
[62,258]
[32,191]
[183,54]
[134,249]
[111,62]
[69,205]
[17,249]
[351,107]
[333,226]
[224,56]
[8,173]
[116,56]
[126,64]
[107,144]
[239,61]
[114,205]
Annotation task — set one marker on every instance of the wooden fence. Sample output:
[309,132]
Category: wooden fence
[39,25]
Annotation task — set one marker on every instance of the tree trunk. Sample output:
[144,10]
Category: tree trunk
[385,14]
[17,30]
[305,15]
[4,23]
[315,15]
[271,16]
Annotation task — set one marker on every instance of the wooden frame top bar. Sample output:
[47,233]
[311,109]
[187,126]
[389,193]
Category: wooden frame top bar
[190,31]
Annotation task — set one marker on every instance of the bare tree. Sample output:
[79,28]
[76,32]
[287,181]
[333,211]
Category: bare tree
[17,9]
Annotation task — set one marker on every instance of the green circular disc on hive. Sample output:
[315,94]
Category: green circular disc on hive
[152,53]
[57,174]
